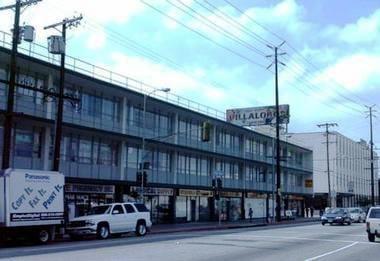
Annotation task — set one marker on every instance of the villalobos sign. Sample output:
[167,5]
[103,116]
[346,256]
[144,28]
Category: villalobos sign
[256,116]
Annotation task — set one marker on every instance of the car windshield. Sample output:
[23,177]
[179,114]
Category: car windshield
[354,210]
[375,213]
[335,211]
[98,210]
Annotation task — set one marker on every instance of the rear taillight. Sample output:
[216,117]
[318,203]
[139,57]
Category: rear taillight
[368,225]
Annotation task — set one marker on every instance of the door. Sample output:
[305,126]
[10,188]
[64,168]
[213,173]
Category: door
[193,210]
[118,223]
[130,217]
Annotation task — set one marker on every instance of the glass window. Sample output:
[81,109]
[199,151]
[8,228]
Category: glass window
[108,112]
[117,208]
[141,208]
[105,154]
[85,151]
[25,80]
[193,166]
[3,76]
[24,143]
[132,157]
[129,208]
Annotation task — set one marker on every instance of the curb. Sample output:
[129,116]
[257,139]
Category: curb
[231,226]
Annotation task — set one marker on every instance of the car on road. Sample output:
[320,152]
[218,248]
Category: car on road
[336,216]
[357,215]
[116,218]
[373,223]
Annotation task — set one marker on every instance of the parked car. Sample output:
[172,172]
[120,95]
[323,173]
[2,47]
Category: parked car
[357,215]
[373,223]
[117,218]
[336,216]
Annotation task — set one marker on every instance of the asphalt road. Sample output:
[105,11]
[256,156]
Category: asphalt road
[308,242]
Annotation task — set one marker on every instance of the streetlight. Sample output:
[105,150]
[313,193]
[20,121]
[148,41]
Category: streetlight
[146,95]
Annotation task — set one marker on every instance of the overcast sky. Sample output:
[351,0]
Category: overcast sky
[332,62]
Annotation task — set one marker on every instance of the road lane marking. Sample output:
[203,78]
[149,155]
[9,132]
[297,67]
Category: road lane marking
[331,252]
[305,238]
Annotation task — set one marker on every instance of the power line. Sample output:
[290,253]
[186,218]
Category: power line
[295,51]
[216,27]
[204,36]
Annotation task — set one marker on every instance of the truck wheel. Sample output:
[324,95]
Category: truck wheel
[103,231]
[141,229]
[371,237]
[43,236]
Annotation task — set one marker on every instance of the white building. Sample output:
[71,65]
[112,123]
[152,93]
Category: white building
[350,174]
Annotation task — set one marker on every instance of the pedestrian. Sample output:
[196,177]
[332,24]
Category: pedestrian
[321,212]
[250,214]
[311,212]
[307,212]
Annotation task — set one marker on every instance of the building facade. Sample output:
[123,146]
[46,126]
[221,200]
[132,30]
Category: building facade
[101,147]
[350,174]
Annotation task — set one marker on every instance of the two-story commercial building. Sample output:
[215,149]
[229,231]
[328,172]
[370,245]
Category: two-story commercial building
[102,142]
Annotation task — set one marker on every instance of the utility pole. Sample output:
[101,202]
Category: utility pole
[371,159]
[278,167]
[58,128]
[7,138]
[327,125]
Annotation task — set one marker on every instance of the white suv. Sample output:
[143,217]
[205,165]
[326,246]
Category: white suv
[373,223]
[110,219]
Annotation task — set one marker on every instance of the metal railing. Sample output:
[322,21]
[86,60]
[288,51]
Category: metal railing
[39,51]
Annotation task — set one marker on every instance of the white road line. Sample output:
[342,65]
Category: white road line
[331,252]
[303,238]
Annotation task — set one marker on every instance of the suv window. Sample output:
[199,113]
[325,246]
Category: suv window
[141,208]
[129,208]
[375,213]
[118,208]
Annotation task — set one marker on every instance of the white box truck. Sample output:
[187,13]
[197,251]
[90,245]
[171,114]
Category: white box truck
[31,203]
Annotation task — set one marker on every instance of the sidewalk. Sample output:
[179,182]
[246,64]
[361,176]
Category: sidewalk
[201,226]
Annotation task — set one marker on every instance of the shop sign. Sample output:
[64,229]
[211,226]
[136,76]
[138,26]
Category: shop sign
[195,193]
[255,195]
[308,183]
[291,197]
[230,194]
[256,116]
[154,191]
[90,188]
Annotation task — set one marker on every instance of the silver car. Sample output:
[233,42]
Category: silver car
[357,215]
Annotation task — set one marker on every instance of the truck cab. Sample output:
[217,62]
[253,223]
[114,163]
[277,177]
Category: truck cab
[373,223]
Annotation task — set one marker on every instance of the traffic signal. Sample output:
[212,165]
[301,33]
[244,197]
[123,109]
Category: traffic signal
[142,178]
[217,186]
[219,183]
[139,178]
[206,129]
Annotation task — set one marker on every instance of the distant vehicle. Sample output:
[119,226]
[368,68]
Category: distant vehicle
[357,215]
[31,204]
[373,223]
[117,218]
[336,216]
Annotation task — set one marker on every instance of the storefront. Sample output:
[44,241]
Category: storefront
[229,206]
[258,203]
[295,204]
[159,201]
[193,205]
[80,197]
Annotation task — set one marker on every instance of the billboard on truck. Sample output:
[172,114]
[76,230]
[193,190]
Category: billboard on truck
[32,197]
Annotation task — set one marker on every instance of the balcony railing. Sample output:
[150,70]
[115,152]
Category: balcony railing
[40,52]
